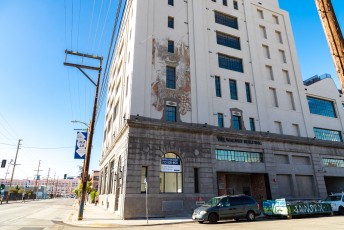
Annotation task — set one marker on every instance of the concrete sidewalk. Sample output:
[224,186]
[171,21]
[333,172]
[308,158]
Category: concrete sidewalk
[95,216]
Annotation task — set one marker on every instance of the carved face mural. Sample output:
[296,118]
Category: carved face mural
[180,60]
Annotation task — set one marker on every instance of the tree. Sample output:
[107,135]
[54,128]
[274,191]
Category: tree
[93,196]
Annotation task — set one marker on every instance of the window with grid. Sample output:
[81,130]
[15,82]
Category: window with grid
[170,47]
[170,22]
[220,119]
[321,107]
[328,162]
[171,113]
[248,92]
[228,40]
[170,77]
[218,86]
[236,122]
[252,124]
[327,134]
[238,156]
[233,89]
[226,20]
[230,63]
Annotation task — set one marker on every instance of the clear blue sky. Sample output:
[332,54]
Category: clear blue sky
[40,96]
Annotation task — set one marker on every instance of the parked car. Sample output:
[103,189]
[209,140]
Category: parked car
[227,207]
[337,202]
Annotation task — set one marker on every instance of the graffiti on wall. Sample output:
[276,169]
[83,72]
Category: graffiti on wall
[180,60]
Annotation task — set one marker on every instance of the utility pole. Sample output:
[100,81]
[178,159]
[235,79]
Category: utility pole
[334,36]
[14,167]
[8,167]
[91,125]
[36,187]
[56,184]
[48,179]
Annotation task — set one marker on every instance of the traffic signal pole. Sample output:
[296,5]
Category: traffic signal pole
[14,167]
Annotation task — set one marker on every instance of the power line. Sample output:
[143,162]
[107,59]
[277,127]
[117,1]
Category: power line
[31,147]
[89,32]
[71,29]
[7,144]
[77,40]
[106,17]
[95,34]
[8,124]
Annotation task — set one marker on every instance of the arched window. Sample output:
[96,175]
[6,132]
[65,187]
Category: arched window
[171,174]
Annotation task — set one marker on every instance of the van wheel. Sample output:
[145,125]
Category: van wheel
[341,210]
[251,216]
[213,218]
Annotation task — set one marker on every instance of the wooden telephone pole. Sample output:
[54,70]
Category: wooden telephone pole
[334,36]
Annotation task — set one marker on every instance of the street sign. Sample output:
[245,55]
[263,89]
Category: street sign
[3,163]
[80,146]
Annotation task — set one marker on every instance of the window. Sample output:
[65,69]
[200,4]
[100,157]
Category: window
[291,100]
[263,31]
[228,40]
[296,130]
[278,127]
[171,2]
[170,77]
[275,18]
[218,86]
[235,5]
[170,47]
[220,120]
[321,107]
[230,63]
[196,186]
[170,22]
[273,97]
[248,92]
[238,156]
[269,72]
[282,56]
[266,51]
[171,113]
[171,181]
[286,76]
[143,177]
[224,2]
[236,122]
[233,89]
[328,162]
[328,135]
[226,20]
[252,125]
[279,37]
[260,14]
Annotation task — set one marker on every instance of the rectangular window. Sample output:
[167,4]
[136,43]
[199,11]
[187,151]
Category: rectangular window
[279,37]
[321,107]
[170,77]
[252,125]
[171,2]
[275,18]
[328,162]
[327,134]
[224,2]
[282,56]
[170,47]
[218,86]
[196,180]
[230,63]
[269,72]
[248,92]
[220,120]
[238,156]
[296,130]
[170,22]
[226,20]
[236,122]
[228,40]
[278,127]
[273,97]
[235,5]
[266,51]
[291,100]
[143,177]
[233,89]
[286,76]
[171,113]
[260,14]
[263,32]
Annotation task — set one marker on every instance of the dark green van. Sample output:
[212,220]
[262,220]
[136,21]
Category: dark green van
[227,207]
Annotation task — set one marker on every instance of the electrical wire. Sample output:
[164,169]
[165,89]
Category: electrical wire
[71,29]
[7,144]
[8,124]
[30,147]
[95,34]
[77,40]
[65,24]
[102,33]
[89,32]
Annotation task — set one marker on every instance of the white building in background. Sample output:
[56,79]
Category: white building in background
[206,98]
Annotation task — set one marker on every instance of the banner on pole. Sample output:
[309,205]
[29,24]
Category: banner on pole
[80,146]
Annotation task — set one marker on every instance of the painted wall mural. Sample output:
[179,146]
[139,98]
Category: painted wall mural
[180,59]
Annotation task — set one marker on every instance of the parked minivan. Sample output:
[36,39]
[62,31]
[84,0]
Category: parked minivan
[227,207]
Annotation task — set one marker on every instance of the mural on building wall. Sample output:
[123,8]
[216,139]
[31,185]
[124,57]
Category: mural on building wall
[180,59]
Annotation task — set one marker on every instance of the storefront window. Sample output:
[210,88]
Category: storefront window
[171,175]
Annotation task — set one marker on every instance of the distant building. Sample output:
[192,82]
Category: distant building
[206,98]
[95,179]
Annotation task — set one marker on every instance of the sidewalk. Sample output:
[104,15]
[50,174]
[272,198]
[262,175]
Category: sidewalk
[95,216]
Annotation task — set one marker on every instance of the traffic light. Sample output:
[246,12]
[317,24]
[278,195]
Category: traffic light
[65,176]
[2,187]
[3,163]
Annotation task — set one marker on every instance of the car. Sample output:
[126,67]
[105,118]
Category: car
[227,207]
[337,202]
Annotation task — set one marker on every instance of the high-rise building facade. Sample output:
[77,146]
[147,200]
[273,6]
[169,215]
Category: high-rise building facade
[206,98]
